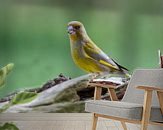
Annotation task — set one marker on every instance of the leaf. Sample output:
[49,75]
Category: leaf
[23,97]
[4,72]
[8,126]
[9,67]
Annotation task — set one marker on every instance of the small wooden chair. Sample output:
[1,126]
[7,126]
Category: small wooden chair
[141,104]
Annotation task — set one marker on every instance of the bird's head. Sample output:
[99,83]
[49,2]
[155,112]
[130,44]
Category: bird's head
[76,30]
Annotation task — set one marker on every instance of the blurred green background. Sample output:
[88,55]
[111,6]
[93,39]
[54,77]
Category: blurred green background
[33,35]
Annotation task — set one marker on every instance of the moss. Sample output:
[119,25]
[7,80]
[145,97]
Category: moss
[72,108]
[69,95]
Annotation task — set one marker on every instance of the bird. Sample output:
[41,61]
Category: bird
[87,55]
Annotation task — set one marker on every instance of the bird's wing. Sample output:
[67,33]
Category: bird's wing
[97,54]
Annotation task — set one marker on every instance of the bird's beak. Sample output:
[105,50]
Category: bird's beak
[70,30]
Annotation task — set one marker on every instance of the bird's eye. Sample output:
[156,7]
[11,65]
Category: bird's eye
[77,27]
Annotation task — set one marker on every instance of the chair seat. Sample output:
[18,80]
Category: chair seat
[131,111]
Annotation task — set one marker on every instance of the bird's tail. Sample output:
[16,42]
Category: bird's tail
[123,71]
[120,67]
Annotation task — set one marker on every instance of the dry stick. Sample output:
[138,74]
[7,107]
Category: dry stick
[161,61]
[160,58]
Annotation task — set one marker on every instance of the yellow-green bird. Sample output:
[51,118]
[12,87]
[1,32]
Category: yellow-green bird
[87,55]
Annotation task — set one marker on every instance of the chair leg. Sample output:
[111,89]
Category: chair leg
[160,98]
[124,125]
[94,122]
[146,109]
[113,95]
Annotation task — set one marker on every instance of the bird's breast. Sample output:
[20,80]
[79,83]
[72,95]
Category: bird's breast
[77,52]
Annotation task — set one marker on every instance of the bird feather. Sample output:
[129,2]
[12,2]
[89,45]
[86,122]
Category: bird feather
[95,53]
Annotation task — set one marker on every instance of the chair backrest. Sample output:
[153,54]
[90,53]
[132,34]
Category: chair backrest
[146,77]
